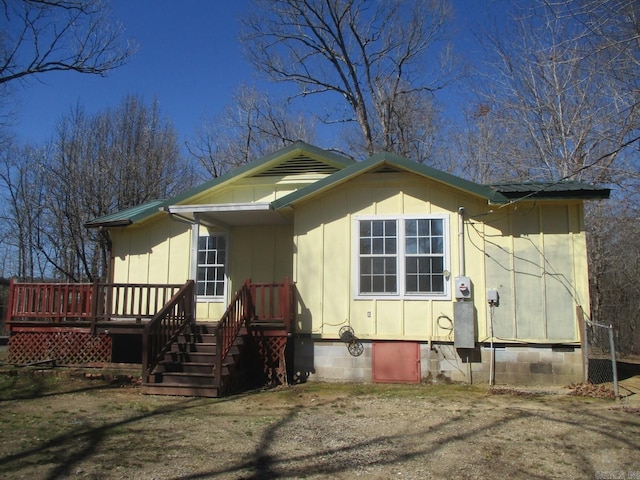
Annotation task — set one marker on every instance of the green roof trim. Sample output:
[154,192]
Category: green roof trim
[391,160]
[127,216]
[253,167]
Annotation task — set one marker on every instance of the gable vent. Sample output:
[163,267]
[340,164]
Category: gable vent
[387,169]
[298,165]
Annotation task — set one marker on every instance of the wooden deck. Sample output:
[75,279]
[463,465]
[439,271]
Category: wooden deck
[76,324]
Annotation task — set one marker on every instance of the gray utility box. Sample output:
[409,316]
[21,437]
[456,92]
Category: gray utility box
[464,325]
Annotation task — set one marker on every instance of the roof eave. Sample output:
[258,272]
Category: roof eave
[112,224]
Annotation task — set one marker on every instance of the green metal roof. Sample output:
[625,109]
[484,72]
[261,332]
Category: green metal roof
[293,157]
[551,190]
[127,216]
[254,167]
[393,161]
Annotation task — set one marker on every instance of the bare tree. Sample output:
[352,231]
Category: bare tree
[116,159]
[59,35]
[567,105]
[22,183]
[252,126]
[377,57]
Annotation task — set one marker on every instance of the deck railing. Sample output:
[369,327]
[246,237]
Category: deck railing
[166,325]
[62,302]
[273,302]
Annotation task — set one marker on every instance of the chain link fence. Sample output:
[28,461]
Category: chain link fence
[599,354]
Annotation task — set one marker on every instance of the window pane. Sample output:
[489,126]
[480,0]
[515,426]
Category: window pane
[365,229]
[390,228]
[411,245]
[411,264]
[425,284]
[423,246]
[423,228]
[377,228]
[378,266]
[378,246]
[437,283]
[365,284]
[390,285]
[437,227]
[390,246]
[390,265]
[410,228]
[365,266]
[412,283]
[365,245]
[437,265]
[424,265]
[378,284]
[437,245]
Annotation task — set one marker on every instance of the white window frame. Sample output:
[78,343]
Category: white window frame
[401,254]
[197,232]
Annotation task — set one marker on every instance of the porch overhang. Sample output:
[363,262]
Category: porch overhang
[232,214]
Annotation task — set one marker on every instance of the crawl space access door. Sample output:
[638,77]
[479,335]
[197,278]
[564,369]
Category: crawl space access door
[396,362]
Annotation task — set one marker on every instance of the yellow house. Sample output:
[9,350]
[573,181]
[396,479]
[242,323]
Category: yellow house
[402,272]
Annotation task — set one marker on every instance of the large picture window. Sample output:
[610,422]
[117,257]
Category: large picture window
[212,250]
[403,256]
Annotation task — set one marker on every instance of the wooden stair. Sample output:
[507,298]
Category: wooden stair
[188,368]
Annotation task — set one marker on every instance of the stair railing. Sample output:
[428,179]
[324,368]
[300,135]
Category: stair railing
[239,311]
[165,326]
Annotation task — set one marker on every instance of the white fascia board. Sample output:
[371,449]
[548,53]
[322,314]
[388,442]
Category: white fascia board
[221,207]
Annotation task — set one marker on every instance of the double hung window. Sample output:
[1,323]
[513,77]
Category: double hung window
[212,250]
[404,256]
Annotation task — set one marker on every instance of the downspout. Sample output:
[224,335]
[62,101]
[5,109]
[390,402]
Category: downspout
[195,237]
[461,240]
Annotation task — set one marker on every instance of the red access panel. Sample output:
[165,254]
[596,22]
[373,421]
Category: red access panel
[396,362]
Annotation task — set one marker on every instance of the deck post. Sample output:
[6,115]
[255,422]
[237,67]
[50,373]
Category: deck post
[10,309]
[286,308]
[248,297]
[94,305]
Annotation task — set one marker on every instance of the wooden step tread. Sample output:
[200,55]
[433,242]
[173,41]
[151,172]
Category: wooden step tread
[179,389]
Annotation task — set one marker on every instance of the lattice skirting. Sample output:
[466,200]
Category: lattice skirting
[66,348]
[271,352]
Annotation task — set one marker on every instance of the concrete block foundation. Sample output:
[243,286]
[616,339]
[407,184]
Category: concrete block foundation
[333,361]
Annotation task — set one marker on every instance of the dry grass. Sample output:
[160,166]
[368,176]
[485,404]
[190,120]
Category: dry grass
[70,426]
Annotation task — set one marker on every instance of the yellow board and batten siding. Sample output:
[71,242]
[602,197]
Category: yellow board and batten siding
[160,252]
[325,257]
[536,259]
[533,254]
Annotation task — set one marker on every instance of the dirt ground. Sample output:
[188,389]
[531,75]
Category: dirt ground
[73,425]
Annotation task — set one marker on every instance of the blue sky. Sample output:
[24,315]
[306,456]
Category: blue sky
[189,59]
